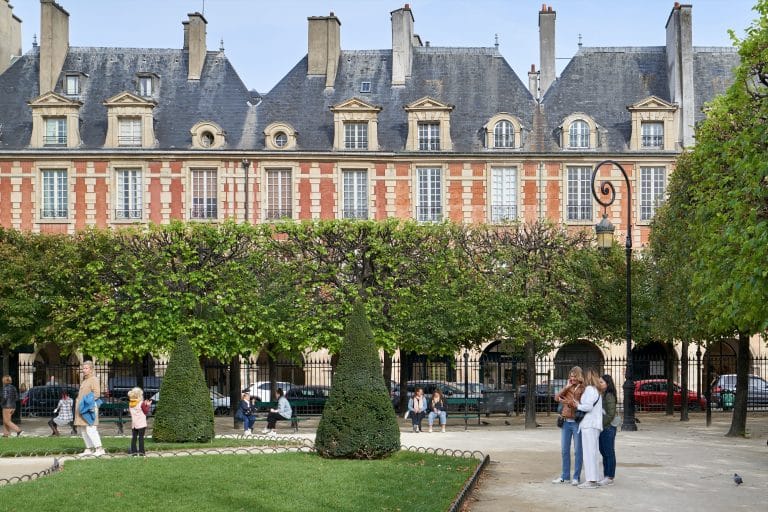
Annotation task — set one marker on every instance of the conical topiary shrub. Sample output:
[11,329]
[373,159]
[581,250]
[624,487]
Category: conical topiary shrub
[358,420]
[184,413]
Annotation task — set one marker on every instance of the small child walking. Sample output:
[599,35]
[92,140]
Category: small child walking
[139,408]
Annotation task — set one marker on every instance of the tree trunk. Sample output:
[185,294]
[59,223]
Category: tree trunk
[387,370]
[234,388]
[669,367]
[739,418]
[530,372]
[403,403]
[684,381]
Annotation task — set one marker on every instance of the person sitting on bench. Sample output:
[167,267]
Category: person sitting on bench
[283,412]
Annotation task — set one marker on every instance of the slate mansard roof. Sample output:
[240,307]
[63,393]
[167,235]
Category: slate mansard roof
[478,82]
[219,95]
[602,82]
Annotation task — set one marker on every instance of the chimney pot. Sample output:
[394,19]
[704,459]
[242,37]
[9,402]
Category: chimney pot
[549,8]
[331,15]
[533,68]
[677,5]
[407,7]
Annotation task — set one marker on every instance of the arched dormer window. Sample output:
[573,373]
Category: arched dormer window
[503,131]
[280,136]
[579,131]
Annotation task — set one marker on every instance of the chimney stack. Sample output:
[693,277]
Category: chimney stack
[402,44]
[10,35]
[546,47]
[324,47]
[195,39]
[54,43]
[680,68]
[533,82]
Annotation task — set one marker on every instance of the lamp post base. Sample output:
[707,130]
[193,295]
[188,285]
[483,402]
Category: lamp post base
[629,424]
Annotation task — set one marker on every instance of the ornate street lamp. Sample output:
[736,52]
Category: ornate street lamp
[246,164]
[604,232]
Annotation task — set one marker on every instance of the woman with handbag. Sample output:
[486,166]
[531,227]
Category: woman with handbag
[611,420]
[590,427]
[570,393]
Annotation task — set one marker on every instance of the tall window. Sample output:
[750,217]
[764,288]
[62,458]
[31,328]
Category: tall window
[430,195]
[204,203]
[355,193]
[356,135]
[503,194]
[579,193]
[578,134]
[503,135]
[128,204]
[55,194]
[279,194]
[652,134]
[129,131]
[55,131]
[653,184]
[145,86]
[72,85]
[429,136]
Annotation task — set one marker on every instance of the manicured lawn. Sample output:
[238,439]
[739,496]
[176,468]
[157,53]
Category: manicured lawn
[32,446]
[295,482]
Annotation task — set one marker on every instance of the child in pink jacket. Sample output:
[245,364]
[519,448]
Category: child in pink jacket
[139,408]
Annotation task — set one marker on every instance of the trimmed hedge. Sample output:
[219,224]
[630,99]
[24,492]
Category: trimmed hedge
[184,413]
[358,420]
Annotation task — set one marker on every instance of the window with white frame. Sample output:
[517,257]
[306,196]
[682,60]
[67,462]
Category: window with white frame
[355,135]
[429,136]
[503,194]
[279,194]
[72,85]
[652,134]
[653,184]
[503,135]
[55,131]
[128,204]
[129,131]
[55,194]
[579,205]
[355,193]
[578,134]
[429,194]
[145,86]
[204,194]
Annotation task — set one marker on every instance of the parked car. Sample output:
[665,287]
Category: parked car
[261,391]
[42,400]
[757,390]
[475,389]
[316,395]
[545,397]
[651,394]
[118,387]
[219,402]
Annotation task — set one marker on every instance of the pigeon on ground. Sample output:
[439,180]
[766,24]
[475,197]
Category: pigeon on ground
[737,479]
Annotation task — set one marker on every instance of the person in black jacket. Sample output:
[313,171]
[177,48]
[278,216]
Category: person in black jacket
[10,397]
[437,410]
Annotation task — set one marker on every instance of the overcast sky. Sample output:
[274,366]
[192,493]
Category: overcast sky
[264,39]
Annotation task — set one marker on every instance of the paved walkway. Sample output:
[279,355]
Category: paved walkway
[665,465]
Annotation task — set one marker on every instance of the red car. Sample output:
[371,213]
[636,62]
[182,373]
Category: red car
[651,395]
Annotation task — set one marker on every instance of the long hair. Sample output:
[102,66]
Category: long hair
[577,373]
[610,386]
[592,378]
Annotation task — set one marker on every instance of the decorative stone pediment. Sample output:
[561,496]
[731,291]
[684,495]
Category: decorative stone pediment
[355,110]
[355,105]
[128,99]
[53,105]
[427,103]
[653,111]
[123,106]
[652,103]
[52,99]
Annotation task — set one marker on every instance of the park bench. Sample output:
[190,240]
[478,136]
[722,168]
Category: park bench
[264,407]
[115,412]
[466,408]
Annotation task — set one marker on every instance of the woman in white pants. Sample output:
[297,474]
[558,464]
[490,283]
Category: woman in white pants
[590,428]
[89,384]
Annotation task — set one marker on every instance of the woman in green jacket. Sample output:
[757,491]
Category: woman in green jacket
[607,440]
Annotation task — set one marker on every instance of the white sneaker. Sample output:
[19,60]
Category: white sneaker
[558,480]
[588,485]
[99,452]
[575,481]
[265,431]
[86,453]
[430,430]
[247,433]
[272,433]
[605,481]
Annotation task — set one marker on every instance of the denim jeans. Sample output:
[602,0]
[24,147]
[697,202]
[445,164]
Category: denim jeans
[570,431]
[608,451]
[432,415]
[248,422]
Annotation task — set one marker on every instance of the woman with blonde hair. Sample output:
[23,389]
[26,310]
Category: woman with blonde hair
[570,431]
[10,397]
[590,427]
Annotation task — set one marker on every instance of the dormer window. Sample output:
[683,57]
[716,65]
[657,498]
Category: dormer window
[280,136]
[365,87]
[652,135]
[145,86]
[55,131]
[503,131]
[72,85]
[578,134]
[281,139]
[579,131]
[653,122]
[355,125]
[55,121]
[429,125]
[130,122]
[129,131]
[207,135]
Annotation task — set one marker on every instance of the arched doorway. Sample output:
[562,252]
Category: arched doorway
[580,353]
[650,362]
[721,357]
[502,366]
